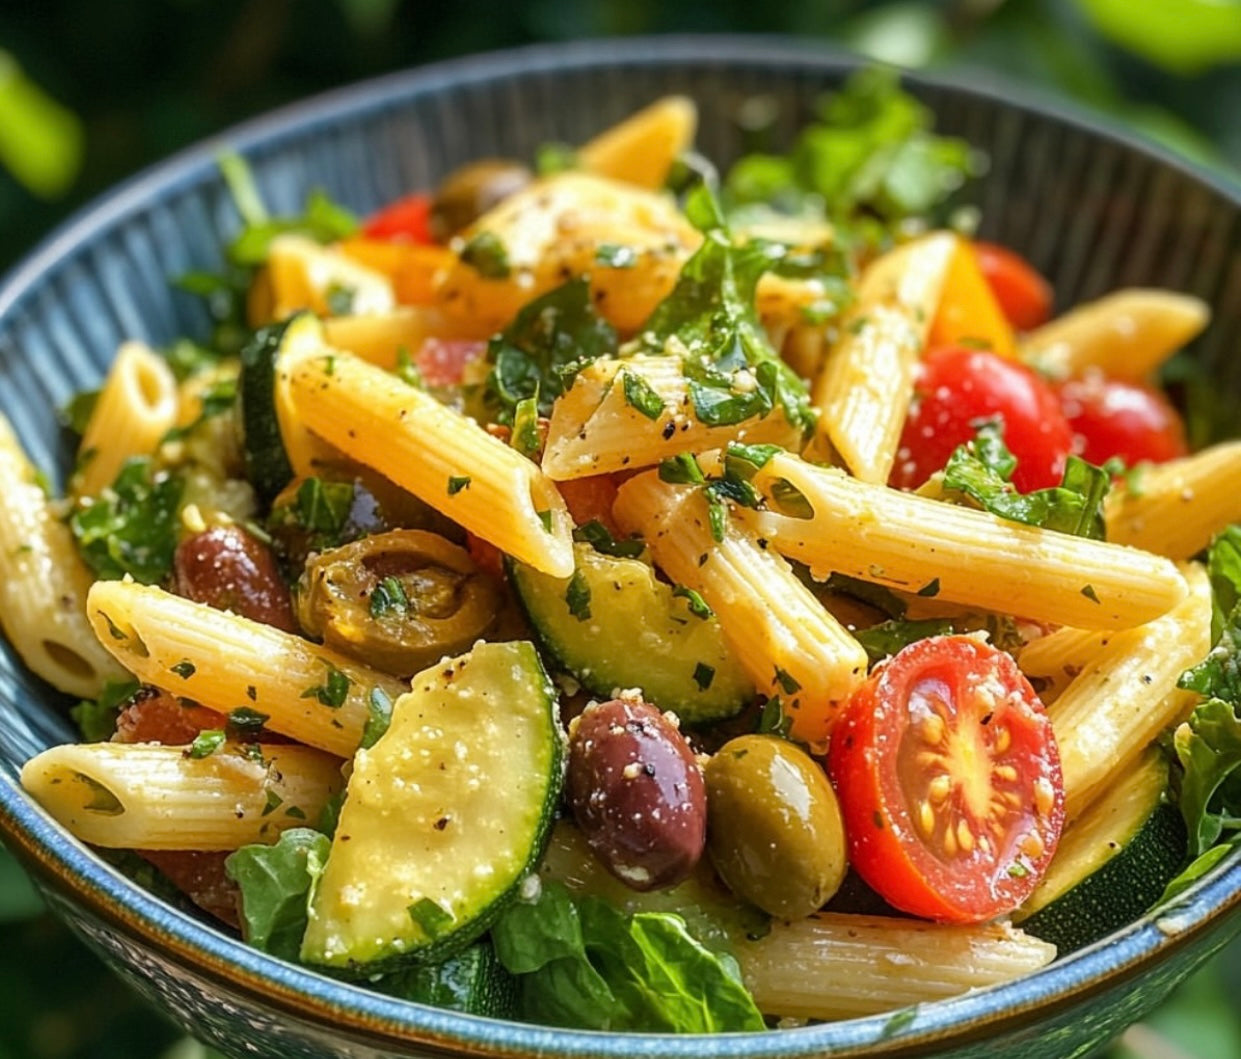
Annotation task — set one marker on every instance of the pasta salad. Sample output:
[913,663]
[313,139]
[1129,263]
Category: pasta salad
[610,595]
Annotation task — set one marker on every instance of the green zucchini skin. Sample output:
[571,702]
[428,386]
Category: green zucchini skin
[1120,891]
[473,981]
[637,635]
[267,462]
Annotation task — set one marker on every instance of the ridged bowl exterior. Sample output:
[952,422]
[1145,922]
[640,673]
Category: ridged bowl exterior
[1090,208]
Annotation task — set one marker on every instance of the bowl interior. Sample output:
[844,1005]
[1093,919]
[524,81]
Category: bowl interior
[1092,209]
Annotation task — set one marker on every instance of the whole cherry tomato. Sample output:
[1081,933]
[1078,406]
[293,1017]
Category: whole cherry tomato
[957,389]
[407,220]
[949,781]
[1024,296]
[1112,417]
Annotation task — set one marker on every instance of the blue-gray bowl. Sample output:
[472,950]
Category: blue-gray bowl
[1092,208]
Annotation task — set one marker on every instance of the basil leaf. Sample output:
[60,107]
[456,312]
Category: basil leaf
[276,883]
[887,638]
[96,718]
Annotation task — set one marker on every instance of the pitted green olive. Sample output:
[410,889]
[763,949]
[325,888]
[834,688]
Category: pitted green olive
[774,831]
[470,191]
[398,601]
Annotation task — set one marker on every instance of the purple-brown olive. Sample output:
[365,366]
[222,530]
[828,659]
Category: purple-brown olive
[230,569]
[470,191]
[636,793]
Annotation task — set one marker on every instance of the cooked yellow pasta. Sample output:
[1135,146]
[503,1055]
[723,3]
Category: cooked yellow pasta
[225,661]
[147,796]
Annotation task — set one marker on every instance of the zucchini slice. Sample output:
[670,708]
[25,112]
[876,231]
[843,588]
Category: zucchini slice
[443,817]
[1113,861]
[472,980]
[614,625]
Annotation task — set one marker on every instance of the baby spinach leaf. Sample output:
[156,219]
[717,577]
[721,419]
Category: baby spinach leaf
[276,882]
[544,348]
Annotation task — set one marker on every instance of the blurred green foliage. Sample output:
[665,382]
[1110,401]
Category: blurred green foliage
[90,92]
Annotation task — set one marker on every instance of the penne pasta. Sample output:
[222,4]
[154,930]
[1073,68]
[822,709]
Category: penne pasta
[381,337]
[306,275]
[790,645]
[44,583]
[642,149]
[147,796]
[136,407]
[907,542]
[441,457]
[1126,335]
[864,390]
[597,428]
[224,661]
[1175,508]
[1052,661]
[1126,694]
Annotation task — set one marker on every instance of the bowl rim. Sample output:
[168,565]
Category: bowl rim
[69,869]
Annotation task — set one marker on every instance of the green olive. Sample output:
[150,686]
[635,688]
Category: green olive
[470,191]
[774,831]
[398,601]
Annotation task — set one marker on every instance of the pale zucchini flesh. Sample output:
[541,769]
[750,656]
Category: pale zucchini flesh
[443,816]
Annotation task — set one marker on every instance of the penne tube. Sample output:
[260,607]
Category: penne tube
[864,390]
[304,274]
[595,428]
[836,966]
[1052,661]
[788,643]
[224,661]
[137,406]
[148,796]
[303,339]
[440,456]
[1125,335]
[642,148]
[908,542]
[380,337]
[1127,693]
[1175,508]
[43,583]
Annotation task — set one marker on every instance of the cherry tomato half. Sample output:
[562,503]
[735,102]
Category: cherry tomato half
[1024,296]
[1112,417]
[949,781]
[956,390]
[443,361]
[407,220]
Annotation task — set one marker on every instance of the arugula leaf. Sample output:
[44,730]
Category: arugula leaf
[96,718]
[1208,746]
[599,537]
[1224,570]
[544,348]
[872,153]
[276,883]
[322,220]
[982,469]
[585,964]
[131,528]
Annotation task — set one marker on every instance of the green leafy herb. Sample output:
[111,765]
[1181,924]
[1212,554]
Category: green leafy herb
[207,742]
[788,684]
[407,371]
[378,717]
[877,596]
[982,470]
[1089,592]
[577,596]
[76,412]
[599,537]
[219,398]
[487,255]
[554,157]
[456,483]
[774,720]
[547,344]
[886,639]
[245,722]
[525,438]
[132,527]
[184,669]
[611,255]
[640,395]
[96,718]
[333,691]
[583,963]
[276,882]
[703,675]
[681,469]
[697,605]
[388,597]
[430,917]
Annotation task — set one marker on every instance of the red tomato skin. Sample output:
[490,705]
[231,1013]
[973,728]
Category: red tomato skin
[872,760]
[1025,297]
[956,389]
[407,220]
[1114,417]
[442,361]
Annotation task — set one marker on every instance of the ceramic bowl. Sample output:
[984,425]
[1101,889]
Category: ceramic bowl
[1090,207]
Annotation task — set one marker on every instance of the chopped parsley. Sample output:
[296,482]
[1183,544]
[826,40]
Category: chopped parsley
[206,743]
[184,669]
[333,691]
[639,394]
[245,723]
[703,675]
[430,917]
[456,483]
[577,596]
[487,255]
[613,256]
[388,597]
[378,717]
[697,605]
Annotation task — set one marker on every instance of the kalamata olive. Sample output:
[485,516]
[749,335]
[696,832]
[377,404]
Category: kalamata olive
[200,875]
[636,792]
[399,601]
[470,191]
[774,831]
[230,569]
